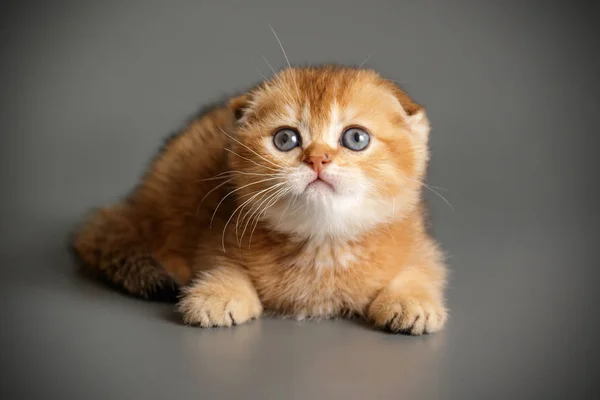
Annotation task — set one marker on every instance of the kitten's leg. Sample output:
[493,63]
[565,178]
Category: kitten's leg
[413,302]
[223,296]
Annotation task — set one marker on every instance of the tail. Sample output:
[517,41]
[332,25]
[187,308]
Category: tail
[110,247]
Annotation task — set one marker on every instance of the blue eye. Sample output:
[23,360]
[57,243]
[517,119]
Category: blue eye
[286,139]
[355,139]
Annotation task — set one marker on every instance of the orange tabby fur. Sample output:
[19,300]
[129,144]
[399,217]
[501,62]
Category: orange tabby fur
[272,243]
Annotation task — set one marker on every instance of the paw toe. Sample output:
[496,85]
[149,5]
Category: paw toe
[214,311]
[409,316]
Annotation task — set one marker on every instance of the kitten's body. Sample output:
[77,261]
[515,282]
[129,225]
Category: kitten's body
[358,246]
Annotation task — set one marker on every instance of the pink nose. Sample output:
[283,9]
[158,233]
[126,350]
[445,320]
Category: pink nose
[317,162]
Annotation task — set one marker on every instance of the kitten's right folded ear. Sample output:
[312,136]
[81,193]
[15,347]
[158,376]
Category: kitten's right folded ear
[240,107]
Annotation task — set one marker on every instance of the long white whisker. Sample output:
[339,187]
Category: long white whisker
[274,201]
[281,45]
[281,193]
[390,232]
[255,207]
[232,214]
[416,181]
[260,73]
[262,192]
[249,149]
[258,207]
[264,211]
[249,160]
[437,187]
[252,213]
[366,59]
[286,209]
[287,60]
[210,191]
[401,82]
[430,188]
[233,191]
[229,174]
[298,208]
[269,64]
[442,197]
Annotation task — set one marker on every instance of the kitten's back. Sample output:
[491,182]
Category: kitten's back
[130,244]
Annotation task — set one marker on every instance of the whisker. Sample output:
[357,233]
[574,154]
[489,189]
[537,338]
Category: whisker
[260,73]
[209,192]
[233,191]
[430,188]
[287,60]
[281,45]
[247,159]
[214,178]
[223,175]
[271,203]
[442,197]
[281,193]
[286,209]
[269,64]
[257,211]
[262,192]
[232,214]
[249,149]
[408,179]
[298,209]
[258,205]
[437,187]
[390,232]
[402,82]
[366,59]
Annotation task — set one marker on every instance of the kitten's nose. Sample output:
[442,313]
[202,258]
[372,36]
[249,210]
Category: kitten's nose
[317,162]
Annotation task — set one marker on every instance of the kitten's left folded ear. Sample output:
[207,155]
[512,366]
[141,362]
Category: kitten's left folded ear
[239,106]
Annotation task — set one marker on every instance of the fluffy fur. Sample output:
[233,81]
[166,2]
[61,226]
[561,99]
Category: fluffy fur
[239,227]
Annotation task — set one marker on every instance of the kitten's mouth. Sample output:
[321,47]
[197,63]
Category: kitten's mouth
[320,184]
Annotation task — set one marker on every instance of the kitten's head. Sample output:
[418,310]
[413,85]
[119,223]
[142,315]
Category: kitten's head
[328,152]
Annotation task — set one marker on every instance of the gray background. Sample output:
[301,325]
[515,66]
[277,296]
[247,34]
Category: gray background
[88,91]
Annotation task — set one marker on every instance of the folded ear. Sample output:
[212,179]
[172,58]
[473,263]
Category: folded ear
[413,114]
[418,122]
[240,106]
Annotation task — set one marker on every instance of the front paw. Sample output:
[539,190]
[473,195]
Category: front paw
[210,306]
[414,315]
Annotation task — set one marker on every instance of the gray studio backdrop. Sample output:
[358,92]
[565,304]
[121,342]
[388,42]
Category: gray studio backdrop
[89,89]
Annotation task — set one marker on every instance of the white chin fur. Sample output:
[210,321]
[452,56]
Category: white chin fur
[319,211]
[326,215]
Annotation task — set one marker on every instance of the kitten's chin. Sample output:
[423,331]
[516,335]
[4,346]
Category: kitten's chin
[319,187]
[321,212]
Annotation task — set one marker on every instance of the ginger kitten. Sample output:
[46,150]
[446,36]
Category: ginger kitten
[301,197]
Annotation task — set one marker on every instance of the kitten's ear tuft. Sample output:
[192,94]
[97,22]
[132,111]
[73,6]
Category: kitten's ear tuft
[239,106]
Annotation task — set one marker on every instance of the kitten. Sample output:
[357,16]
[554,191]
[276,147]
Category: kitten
[301,197]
